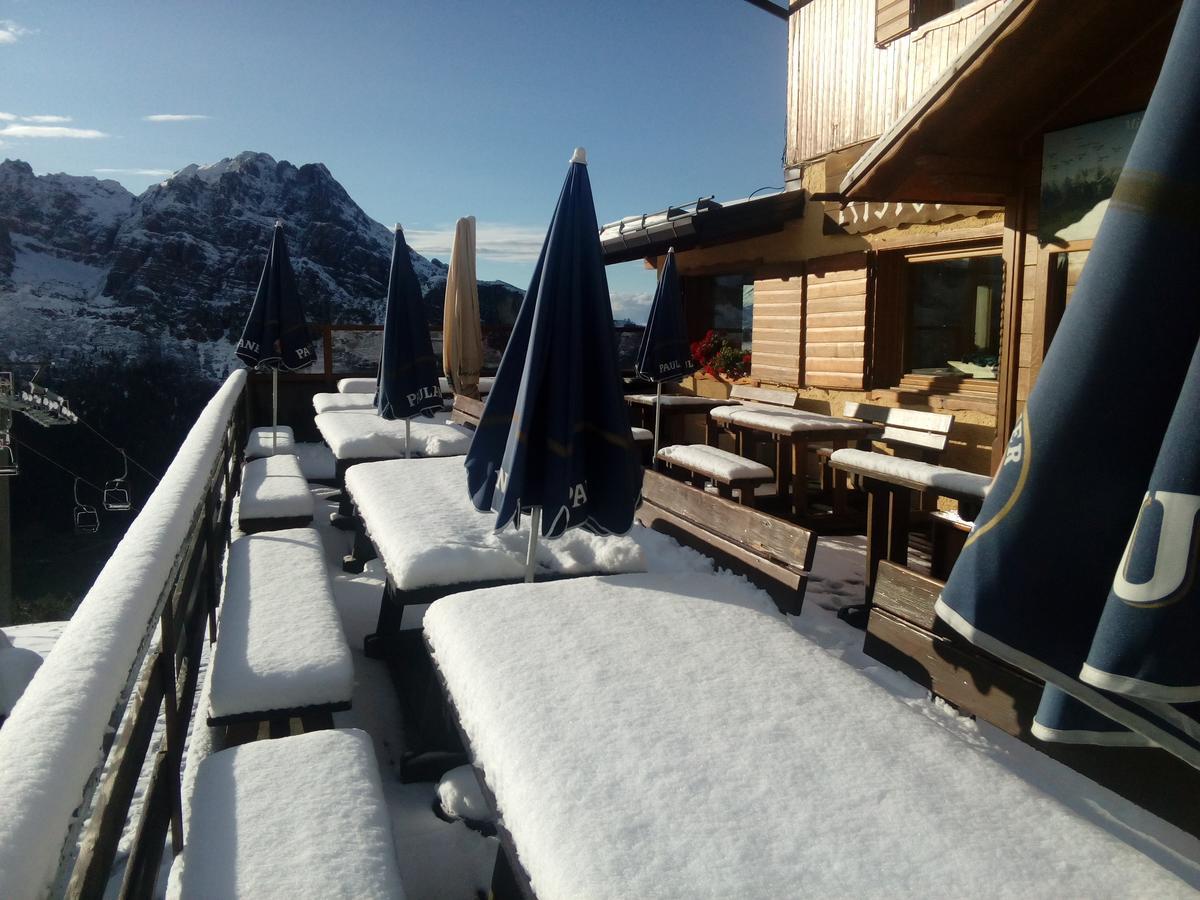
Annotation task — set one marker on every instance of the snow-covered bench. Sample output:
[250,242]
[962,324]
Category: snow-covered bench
[357,385]
[259,442]
[724,755]
[331,402]
[302,816]
[728,471]
[274,495]
[280,651]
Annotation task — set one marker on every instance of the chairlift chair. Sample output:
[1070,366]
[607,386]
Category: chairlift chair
[8,456]
[87,520]
[116,490]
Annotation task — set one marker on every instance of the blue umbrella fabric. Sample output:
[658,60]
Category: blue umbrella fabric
[554,433]
[276,335]
[1050,578]
[408,370]
[665,352]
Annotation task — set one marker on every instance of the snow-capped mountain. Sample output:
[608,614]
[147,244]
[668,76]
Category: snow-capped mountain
[87,268]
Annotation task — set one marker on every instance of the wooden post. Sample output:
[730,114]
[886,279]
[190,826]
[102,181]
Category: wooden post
[6,582]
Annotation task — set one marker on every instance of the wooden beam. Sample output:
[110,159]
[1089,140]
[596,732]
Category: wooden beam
[769,7]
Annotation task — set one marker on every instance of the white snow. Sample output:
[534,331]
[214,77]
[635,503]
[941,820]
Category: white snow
[51,743]
[427,532]
[779,419]
[274,487]
[316,461]
[461,795]
[262,442]
[714,462]
[17,668]
[642,434]
[648,736]
[358,385]
[280,643]
[352,435]
[669,400]
[301,816]
[334,402]
[938,478]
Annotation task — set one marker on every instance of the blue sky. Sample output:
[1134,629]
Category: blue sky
[425,110]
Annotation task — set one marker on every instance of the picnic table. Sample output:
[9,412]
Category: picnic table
[648,736]
[673,405]
[792,431]
[417,516]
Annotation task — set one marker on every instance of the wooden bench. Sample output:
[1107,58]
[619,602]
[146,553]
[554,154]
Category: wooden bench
[466,411]
[280,652]
[728,471]
[747,393]
[302,816]
[274,495]
[259,442]
[774,554]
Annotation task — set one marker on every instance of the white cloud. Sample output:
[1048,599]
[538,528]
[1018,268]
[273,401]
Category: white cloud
[46,120]
[7,117]
[174,117]
[494,241]
[632,305]
[149,173]
[11,32]
[49,131]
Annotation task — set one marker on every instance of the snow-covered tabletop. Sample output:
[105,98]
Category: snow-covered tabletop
[350,400]
[938,479]
[261,442]
[280,643]
[355,435]
[787,421]
[681,401]
[649,736]
[714,462]
[274,487]
[428,533]
[300,816]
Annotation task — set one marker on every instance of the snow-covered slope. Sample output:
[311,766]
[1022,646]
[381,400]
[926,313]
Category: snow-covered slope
[88,269]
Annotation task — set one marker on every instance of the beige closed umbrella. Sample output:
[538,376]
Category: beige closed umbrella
[462,337]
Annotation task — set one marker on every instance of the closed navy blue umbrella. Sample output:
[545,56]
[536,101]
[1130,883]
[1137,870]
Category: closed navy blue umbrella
[665,352]
[408,371]
[1035,584]
[276,335]
[555,434]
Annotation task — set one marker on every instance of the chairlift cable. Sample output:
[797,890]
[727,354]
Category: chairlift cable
[115,447]
[52,462]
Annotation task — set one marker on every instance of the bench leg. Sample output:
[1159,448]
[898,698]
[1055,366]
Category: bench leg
[318,721]
[697,480]
[241,733]
[799,477]
[725,490]
[363,553]
[877,516]
[899,507]
[279,728]
[839,484]
[712,433]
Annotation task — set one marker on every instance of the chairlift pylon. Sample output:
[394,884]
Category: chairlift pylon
[116,490]
[87,520]
[8,456]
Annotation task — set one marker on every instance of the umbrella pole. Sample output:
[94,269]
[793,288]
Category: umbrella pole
[407,433]
[657,422]
[274,410]
[535,525]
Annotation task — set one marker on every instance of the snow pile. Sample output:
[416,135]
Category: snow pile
[52,742]
[779,419]
[17,668]
[336,402]
[646,736]
[352,435]
[280,643]
[274,488]
[714,462]
[938,478]
[461,796]
[427,532]
[300,816]
[357,385]
[316,462]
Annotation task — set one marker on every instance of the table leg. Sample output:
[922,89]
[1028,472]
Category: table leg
[839,484]
[712,433]
[799,476]
[899,507]
[878,498]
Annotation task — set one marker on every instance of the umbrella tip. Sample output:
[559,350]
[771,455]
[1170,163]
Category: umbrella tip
[279,223]
[579,156]
[397,227]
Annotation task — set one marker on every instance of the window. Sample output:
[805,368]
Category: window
[937,316]
[954,317]
[723,303]
[896,18]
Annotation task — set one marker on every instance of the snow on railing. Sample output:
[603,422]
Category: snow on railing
[52,746]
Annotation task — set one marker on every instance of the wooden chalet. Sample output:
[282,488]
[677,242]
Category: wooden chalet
[916,275]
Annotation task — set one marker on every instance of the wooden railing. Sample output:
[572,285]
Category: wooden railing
[165,689]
